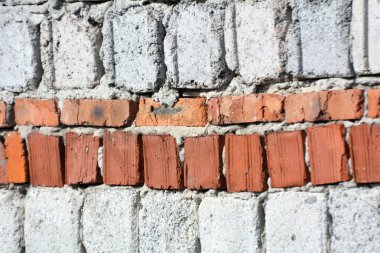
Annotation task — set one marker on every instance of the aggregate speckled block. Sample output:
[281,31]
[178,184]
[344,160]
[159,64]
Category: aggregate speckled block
[52,220]
[194,48]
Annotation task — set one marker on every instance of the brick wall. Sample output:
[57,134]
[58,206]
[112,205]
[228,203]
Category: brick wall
[215,126]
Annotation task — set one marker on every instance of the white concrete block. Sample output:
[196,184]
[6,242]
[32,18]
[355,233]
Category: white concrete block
[324,37]
[256,44]
[194,47]
[20,65]
[365,31]
[355,219]
[229,224]
[110,219]
[76,45]
[52,220]
[296,222]
[11,221]
[168,223]
[138,49]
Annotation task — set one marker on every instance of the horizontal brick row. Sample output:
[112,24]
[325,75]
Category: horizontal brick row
[195,112]
[134,159]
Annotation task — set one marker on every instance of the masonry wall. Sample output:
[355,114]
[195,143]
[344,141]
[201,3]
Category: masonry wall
[212,126]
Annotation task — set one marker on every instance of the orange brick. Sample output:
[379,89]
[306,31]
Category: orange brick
[328,154]
[203,162]
[123,160]
[82,159]
[46,160]
[36,112]
[17,168]
[6,115]
[374,103]
[161,162]
[245,163]
[186,112]
[95,112]
[3,164]
[286,159]
[245,109]
[365,153]
[325,105]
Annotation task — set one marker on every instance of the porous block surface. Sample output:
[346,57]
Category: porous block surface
[168,222]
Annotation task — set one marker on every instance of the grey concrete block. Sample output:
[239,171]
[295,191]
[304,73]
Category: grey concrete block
[296,222]
[229,224]
[194,47]
[23,2]
[110,219]
[355,218]
[168,223]
[138,49]
[76,44]
[11,221]
[257,40]
[365,31]
[52,220]
[20,65]
[324,37]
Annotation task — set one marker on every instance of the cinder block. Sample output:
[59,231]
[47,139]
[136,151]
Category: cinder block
[11,221]
[194,47]
[324,37]
[296,222]
[256,43]
[230,224]
[138,49]
[20,65]
[52,220]
[168,223]
[365,31]
[76,48]
[355,220]
[110,220]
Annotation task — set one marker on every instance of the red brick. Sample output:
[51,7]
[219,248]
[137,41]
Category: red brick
[203,162]
[286,159]
[6,115]
[95,112]
[46,160]
[161,162]
[328,154]
[245,163]
[123,160]
[365,153]
[245,109]
[302,107]
[374,103]
[325,105]
[82,159]
[186,112]
[3,164]
[36,112]
[17,167]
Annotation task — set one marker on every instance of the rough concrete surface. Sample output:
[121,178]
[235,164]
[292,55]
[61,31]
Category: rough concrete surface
[138,48]
[296,222]
[168,222]
[194,46]
[255,36]
[230,224]
[52,220]
[76,43]
[20,64]
[110,219]
[365,30]
[11,221]
[355,219]
[324,37]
